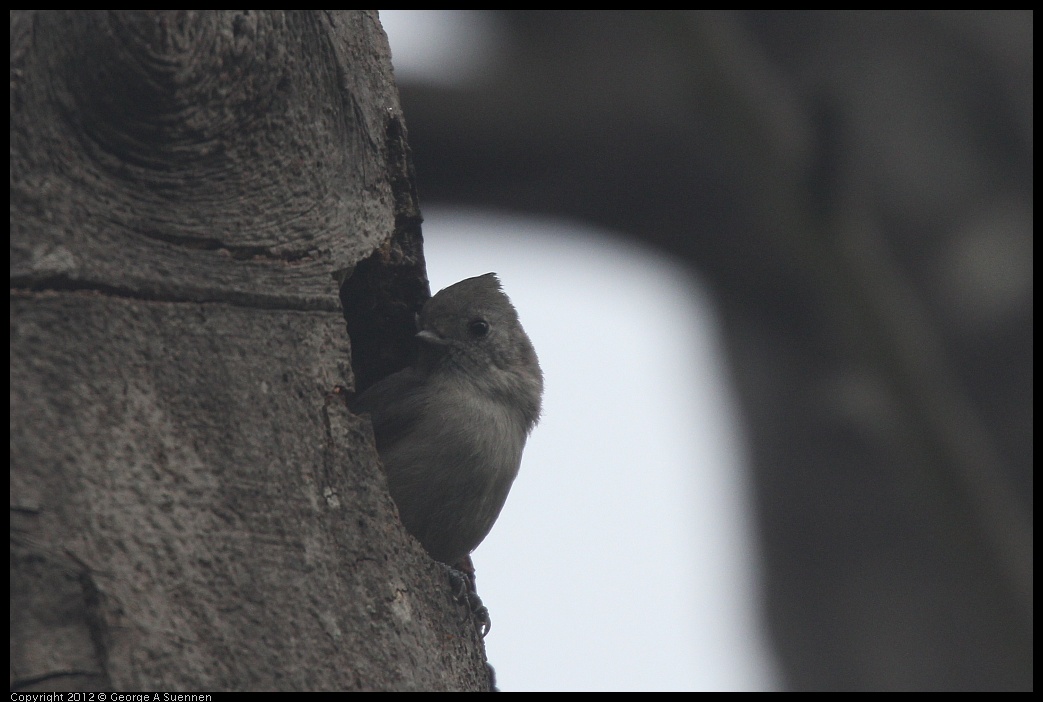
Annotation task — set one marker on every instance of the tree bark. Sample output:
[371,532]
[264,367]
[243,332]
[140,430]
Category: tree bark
[192,505]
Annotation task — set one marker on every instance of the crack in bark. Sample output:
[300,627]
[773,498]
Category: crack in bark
[25,284]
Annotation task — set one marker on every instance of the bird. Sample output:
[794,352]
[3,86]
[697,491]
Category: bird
[450,429]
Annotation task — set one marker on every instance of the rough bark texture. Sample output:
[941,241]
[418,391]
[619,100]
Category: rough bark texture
[856,188]
[192,505]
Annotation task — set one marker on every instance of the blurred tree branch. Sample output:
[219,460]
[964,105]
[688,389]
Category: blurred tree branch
[856,187]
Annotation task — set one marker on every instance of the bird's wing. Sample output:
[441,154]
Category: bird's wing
[394,405]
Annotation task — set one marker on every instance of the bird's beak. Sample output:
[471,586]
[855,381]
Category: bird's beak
[431,337]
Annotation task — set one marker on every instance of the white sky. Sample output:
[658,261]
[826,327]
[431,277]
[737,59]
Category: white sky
[624,557]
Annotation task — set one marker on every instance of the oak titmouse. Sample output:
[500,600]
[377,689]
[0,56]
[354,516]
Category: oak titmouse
[450,430]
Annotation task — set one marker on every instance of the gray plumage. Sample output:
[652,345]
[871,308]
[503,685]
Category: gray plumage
[450,430]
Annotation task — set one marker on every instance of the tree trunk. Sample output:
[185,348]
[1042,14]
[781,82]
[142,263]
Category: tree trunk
[192,505]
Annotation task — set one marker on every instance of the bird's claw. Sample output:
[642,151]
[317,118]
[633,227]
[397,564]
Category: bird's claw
[464,592]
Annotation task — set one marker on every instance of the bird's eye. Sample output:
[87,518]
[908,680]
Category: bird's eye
[478,327]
